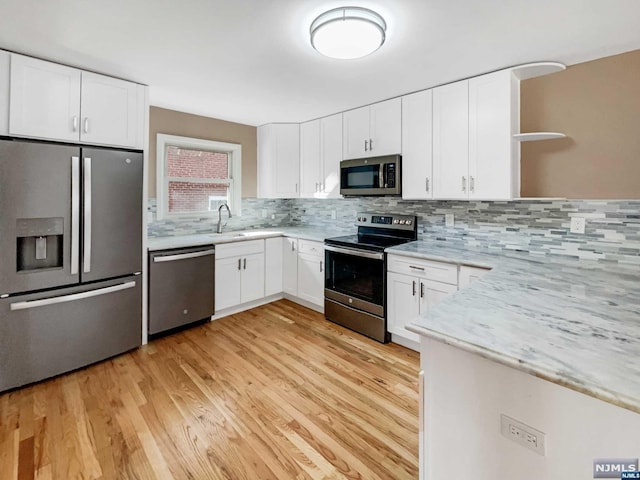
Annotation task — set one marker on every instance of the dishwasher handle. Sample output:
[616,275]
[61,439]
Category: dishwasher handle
[183,256]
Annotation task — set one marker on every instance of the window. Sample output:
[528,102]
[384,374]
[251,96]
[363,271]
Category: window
[195,176]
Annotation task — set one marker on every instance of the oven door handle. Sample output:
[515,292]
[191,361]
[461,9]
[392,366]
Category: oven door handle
[355,253]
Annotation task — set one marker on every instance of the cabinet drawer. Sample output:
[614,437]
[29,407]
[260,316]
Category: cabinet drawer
[311,247]
[238,249]
[436,271]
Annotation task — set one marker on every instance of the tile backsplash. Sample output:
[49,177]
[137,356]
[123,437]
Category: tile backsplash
[539,227]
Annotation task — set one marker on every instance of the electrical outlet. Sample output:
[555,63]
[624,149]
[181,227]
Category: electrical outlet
[264,213]
[449,220]
[334,214]
[523,434]
[578,224]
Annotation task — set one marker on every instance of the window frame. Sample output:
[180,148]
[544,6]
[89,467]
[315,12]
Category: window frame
[234,153]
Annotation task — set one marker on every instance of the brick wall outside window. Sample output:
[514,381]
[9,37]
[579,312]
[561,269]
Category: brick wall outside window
[186,196]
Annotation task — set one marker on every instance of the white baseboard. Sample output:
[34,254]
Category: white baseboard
[405,342]
[246,306]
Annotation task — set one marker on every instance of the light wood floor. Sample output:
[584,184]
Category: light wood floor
[276,392]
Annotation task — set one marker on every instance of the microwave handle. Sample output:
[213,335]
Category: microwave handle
[383,180]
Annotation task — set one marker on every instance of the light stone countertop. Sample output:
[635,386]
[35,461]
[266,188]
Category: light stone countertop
[183,241]
[574,323]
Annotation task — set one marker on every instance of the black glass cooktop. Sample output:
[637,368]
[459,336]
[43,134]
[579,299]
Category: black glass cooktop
[367,242]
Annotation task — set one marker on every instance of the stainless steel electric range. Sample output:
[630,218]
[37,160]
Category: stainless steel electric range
[356,272]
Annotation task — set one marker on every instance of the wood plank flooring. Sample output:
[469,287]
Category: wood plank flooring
[276,392]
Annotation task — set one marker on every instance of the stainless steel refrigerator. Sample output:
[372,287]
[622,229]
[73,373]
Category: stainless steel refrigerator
[70,257]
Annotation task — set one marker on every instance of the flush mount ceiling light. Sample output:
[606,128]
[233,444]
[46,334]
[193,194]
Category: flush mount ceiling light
[348,32]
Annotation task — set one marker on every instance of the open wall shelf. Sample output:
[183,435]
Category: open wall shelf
[535,136]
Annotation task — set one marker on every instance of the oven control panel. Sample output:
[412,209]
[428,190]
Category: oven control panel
[403,222]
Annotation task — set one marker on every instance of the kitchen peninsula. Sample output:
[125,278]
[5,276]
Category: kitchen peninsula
[509,344]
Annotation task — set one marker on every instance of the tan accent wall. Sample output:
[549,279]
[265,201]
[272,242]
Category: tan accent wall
[597,105]
[183,124]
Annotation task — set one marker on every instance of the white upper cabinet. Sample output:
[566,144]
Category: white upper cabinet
[56,102]
[373,130]
[417,146]
[45,99]
[474,154]
[494,157]
[451,141]
[320,155]
[111,111]
[5,79]
[331,154]
[310,162]
[279,160]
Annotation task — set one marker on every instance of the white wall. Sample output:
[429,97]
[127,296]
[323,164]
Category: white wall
[464,397]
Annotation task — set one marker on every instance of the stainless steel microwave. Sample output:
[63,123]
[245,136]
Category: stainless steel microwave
[371,176]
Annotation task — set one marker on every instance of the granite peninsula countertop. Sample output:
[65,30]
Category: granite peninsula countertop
[197,240]
[574,323]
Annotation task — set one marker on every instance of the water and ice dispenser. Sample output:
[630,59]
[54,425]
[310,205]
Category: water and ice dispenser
[39,243]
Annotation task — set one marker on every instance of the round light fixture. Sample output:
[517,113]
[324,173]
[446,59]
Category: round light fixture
[348,32]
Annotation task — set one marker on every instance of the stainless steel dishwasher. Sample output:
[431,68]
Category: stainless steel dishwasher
[181,287]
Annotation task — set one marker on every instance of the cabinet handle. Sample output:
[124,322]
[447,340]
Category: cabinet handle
[421,290]
[86,124]
[417,268]
[365,146]
[370,144]
[320,266]
[239,264]
[245,264]
[296,188]
[75,123]
[464,184]
[472,184]
[414,288]
[293,246]
[426,184]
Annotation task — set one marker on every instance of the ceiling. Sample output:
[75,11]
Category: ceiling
[250,61]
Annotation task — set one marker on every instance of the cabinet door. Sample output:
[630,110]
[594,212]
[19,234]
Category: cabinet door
[227,286]
[385,127]
[44,100]
[402,304]
[311,278]
[451,140]
[5,79]
[252,285]
[279,160]
[290,266]
[310,164]
[417,146]
[331,155]
[491,163]
[432,293]
[273,265]
[469,274]
[109,111]
[355,133]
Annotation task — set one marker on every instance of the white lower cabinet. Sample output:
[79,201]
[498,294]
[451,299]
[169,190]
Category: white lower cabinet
[290,266]
[414,287]
[240,273]
[273,266]
[311,272]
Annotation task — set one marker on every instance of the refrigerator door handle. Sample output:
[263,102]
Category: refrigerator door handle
[75,214]
[87,215]
[72,297]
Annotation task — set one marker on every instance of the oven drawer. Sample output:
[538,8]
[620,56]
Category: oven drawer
[437,271]
[311,247]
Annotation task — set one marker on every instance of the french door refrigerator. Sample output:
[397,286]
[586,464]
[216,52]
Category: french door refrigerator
[70,257]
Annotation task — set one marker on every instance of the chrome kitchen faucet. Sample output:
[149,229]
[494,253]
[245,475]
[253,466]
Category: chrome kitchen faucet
[220,226]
